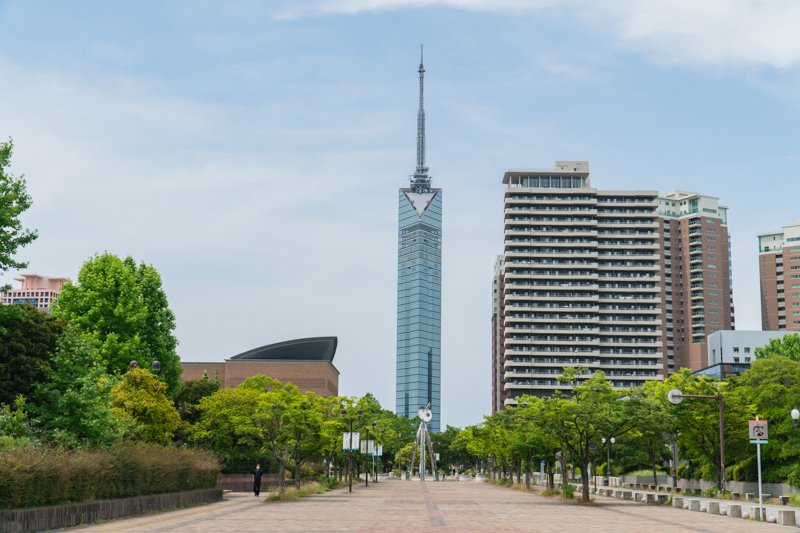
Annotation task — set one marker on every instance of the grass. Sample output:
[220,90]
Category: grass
[644,473]
[292,494]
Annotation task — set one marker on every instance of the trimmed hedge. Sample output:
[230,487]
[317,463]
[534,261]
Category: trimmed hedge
[32,476]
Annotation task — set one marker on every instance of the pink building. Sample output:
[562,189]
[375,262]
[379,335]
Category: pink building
[38,291]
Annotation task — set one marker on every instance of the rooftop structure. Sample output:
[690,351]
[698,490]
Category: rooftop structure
[306,363]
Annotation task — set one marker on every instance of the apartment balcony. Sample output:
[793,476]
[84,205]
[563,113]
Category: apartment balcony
[566,330]
[632,365]
[542,308]
[633,321]
[508,386]
[604,343]
[566,318]
[626,246]
[542,362]
[628,290]
[519,229]
[540,252]
[605,266]
[541,210]
[565,274]
[554,201]
[537,354]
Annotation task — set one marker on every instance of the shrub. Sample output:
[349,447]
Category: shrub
[569,491]
[328,482]
[82,475]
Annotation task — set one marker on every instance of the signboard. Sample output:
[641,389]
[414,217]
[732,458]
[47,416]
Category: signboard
[368,447]
[758,431]
[346,442]
[379,450]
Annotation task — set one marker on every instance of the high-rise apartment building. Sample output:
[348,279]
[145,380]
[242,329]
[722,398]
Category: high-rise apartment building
[697,291]
[419,287]
[38,291]
[498,336]
[779,270]
[604,280]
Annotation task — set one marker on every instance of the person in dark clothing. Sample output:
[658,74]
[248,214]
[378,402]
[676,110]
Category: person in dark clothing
[257,479]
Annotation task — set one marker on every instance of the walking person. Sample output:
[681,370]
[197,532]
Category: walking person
[257,479]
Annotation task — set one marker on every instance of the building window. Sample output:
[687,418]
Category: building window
[735,349]
[746,349]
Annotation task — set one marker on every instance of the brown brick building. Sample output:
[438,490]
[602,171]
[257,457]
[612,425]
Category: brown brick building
[779,272]
[307,363]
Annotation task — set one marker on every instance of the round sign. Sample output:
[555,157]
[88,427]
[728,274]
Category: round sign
[425,414]
[675,396]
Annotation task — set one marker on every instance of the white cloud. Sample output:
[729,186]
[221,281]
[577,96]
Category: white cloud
[693,32]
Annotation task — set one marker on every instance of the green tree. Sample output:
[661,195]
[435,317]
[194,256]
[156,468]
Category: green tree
[288,420]
[227,425]
[594,411]
[786,346]
[14,200]
[74,403]
[28,339]
[772,387]
[15,427]
[142,398]
[123,307]
[697,420]
[187,401]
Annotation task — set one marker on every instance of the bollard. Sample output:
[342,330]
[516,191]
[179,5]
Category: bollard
[713,508]
[649,498]
[627,495]
[749,496]
[735,510]
[784,500]
[677,502]
[694,505]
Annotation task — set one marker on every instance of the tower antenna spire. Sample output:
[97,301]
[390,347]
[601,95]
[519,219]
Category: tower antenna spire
[420,181]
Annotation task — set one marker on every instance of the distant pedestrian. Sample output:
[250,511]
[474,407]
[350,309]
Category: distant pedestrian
[257,480]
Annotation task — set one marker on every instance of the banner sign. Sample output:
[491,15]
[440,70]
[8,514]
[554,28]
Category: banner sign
[348,444]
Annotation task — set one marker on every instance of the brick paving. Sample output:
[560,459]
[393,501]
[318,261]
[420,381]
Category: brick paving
[430,506]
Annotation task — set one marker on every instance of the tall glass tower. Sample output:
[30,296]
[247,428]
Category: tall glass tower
[419,287]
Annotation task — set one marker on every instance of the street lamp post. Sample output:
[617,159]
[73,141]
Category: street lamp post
[366,450]
[350,449]
[675,396]
[611,442]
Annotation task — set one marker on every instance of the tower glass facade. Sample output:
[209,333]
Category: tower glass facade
[419,303]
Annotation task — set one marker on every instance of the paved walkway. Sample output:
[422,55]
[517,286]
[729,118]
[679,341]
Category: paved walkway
[431,506]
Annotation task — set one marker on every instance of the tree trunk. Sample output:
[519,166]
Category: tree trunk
[585,478]
[563,461]
[655,476]
[551,476]
[281,470]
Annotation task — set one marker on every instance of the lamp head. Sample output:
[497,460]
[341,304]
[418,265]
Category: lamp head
[795,414]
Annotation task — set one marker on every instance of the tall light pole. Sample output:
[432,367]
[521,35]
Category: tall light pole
[675,396]
[350,448]
[611,442]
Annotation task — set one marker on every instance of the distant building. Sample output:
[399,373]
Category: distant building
[732,352]
[629,282]
[306,363]
[697,288]
[38,291]
[779,272]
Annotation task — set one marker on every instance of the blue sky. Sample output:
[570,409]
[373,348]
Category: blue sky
[252,151]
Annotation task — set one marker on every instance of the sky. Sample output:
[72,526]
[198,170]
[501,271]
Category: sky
[252,151]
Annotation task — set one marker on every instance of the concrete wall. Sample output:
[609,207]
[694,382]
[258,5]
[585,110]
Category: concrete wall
[68,515]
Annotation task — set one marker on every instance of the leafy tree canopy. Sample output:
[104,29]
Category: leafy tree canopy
[28,340]
[142,398]
[786,346]
[14,200]
[73,403]
[123,307]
